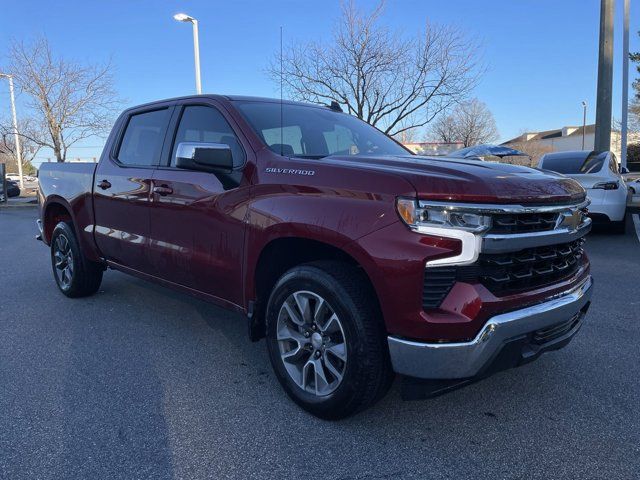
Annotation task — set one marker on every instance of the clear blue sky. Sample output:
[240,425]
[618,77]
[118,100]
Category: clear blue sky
[542,54]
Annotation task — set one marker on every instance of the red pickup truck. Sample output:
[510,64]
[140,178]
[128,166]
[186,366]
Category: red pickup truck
[354,258]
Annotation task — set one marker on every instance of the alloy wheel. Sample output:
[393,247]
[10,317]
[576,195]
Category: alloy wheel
[312,343]
[63,261]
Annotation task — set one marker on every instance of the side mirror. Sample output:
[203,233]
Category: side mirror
[205,157]
[623,170]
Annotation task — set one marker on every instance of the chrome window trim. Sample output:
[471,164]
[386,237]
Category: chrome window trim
[498,209]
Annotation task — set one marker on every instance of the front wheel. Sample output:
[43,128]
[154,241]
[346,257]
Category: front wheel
[74,274]
[326,340]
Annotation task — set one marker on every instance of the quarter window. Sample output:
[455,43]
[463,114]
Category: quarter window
[143,137]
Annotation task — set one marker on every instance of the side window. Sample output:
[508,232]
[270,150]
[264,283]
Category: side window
[143,137]
[613,164]
[206,124]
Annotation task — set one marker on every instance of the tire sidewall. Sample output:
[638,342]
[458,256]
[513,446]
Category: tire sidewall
[315,280]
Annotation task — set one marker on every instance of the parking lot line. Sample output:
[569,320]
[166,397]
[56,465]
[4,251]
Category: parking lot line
[636,223]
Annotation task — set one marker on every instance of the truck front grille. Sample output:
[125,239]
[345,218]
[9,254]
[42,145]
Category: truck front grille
[504,224]
[527,269]
[506,273]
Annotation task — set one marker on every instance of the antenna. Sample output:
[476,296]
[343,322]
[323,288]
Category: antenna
[281,107]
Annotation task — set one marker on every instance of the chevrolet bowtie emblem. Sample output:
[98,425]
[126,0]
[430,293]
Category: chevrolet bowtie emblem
[570,220]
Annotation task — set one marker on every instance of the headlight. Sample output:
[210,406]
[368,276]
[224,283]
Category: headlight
[416,215]
[439,221]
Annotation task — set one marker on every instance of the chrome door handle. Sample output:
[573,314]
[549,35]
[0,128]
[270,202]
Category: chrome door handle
[163,190]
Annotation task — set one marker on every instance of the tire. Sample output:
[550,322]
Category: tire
[359,336]
[619,228]
[74,274]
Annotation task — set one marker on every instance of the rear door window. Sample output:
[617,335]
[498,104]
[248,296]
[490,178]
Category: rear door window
[143,137]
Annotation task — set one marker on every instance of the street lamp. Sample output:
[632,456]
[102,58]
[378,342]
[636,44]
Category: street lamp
[16,137]
[584,120]
[183,17]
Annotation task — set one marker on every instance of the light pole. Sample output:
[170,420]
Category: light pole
[183,17]
[584,120]
[16,137]
[625,84]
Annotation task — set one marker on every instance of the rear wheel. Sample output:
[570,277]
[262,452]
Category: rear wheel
[74,274]
[326,342]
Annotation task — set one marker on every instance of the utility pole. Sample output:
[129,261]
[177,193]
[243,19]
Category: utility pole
[605,77]
[625,86]
[16,136]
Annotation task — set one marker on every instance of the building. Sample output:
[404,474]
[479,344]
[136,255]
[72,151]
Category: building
[433,148]
[564,139]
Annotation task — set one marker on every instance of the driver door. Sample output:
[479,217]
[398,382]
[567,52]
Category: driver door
[197,218]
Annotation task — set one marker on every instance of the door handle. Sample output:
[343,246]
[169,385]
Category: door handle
[163,190]
[104,184]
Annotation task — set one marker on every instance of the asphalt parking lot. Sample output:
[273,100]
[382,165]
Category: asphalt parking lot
[141,382]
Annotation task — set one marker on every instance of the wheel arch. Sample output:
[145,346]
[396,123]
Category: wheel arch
[280,255]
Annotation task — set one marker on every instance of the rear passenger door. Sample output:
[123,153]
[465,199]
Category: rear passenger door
[123,185]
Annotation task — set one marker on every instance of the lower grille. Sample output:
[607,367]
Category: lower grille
[438,282]
[546,335]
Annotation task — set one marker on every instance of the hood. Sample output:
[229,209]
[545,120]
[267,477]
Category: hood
[459,180]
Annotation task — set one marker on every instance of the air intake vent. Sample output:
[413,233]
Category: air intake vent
[437,284]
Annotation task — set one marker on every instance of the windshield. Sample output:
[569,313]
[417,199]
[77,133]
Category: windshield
[315,132]
[572,165]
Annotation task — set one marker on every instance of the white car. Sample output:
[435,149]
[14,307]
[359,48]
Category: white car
[634,186]
[599,174]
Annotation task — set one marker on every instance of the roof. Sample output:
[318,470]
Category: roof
[549,134]
[231,98]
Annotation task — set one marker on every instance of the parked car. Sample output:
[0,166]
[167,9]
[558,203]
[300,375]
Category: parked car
[599,174]
[13,190]
[354,258]
[634,186]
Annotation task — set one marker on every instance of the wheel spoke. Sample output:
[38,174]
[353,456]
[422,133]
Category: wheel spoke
[287,333]
[338,350]
[293,315]
[331,323]
[320,377]
[321,311]
[334,371]
[302,301]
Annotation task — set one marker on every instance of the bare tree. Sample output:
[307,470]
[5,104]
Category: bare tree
[27,130]
[72,101]
[470,123]
[392,82]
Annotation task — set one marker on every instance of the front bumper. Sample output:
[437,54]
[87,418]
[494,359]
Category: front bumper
[469,359]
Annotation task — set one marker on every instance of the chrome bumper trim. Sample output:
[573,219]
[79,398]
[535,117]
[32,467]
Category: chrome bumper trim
[520,241]
[499,208]
[466,359]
